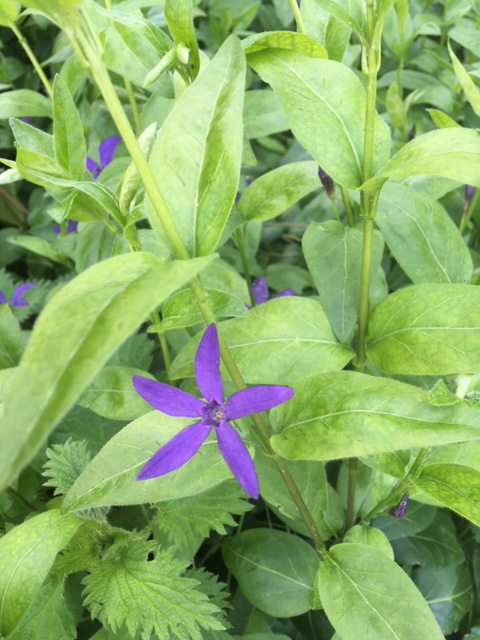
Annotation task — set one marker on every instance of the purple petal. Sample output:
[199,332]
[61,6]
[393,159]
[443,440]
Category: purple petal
[259,290]
[176,452]
[285,293]
[236,455]
[17,300]
[256,399]
[56,228]
[3,298]
[169,400]
[207,366]
[107,149]
[92,166]
[72,226]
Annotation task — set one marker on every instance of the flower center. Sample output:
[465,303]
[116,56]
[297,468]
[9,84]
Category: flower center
[213,413]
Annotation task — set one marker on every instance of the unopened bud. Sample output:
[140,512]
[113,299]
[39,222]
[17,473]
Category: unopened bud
[326,181]
[469,193]
[400,511]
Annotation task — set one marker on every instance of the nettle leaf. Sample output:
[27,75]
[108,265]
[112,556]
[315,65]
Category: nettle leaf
[184,520]
[275,570]
[334,256]
[456,486]
[449,153]
[276,191]
[342,414]
[266,348]
[365,594]
[422,237]
[160,599]
[196,157]
[65,463]
[26,554]
[86,322]
[449,593]
[427,330]
[329,123]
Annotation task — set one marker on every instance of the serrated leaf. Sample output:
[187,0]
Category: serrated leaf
[343,414]
[184,520]
[26,554]
[108,302]
[65,463]
[160,599]
[275,570]
[427,329]
[365,594]
[329,123]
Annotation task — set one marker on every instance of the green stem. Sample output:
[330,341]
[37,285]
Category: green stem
[467,214]
[32,57]
[334,207]
[239,237]
[19,499]
[348,206]
[352,483]
[298,17]
[134,106]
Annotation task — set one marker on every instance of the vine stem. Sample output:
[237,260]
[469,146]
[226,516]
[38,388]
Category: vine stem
[92,55]
[32,57]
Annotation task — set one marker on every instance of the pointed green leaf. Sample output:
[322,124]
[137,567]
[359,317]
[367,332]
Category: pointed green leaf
[334,256]
[366,595]
[32,138]
[329,123]
[24,102]
[456,486]
[275,570]
[179,16]
[276,191]
[468,85]
[197,155]
[442,120]
[427,330]
[284,40]
[266,349]
[350,12]
[68,136]
[81,327]
[41,247]
[342,414]
[26,554]
[449,153]
[422,237]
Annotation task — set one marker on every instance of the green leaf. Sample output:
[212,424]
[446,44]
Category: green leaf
[26,554]
[362,534]
[41,247]
[11,340]
[422,237]
[334,256]
[111,394]
[8,13]
[94,244]
[107,303]
[289,40]
[467,37]
[267,351]
[24,102]
[197,155]
[160,599]
[449,153]
[468,85]
[342,414]
[263,114]
[179,17]
[65,463]
[427,330]
[275,570]
[32,138]
[350,12]
[456,486]
[279,189]
[448,591]
[442,120]
[329,123]
[184,520]
[366,595]
[419,517]
[111,476]
[68,136]
[62,11]
[41,170]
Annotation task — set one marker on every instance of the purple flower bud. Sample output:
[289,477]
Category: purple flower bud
[469,193]
[400,511]
[326,181]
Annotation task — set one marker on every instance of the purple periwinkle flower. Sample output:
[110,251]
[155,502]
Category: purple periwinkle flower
[214,413]
[17,299]
[72,226]
[106,151]
[259,291]
[400,511]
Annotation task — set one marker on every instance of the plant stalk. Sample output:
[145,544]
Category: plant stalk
[32,57]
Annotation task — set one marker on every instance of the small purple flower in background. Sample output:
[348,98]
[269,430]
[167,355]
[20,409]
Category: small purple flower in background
[469,193]
[214,413]
[72,226]
[106,151]
[259,291]
[17,300]
[400,511]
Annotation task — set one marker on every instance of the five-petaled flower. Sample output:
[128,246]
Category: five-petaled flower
[17,299]
[259,291]
[214,413]
[106,151]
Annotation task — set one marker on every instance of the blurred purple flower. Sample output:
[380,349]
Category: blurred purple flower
[469,193]
[400,511]
[72,226]
[17,300]
[259,291]
[214,413]
[106,151]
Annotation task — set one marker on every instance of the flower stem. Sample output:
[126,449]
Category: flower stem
[467,214]
[298,16]
[19,499]
[352,483]
[348,206]
[239,237]
[32,57]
